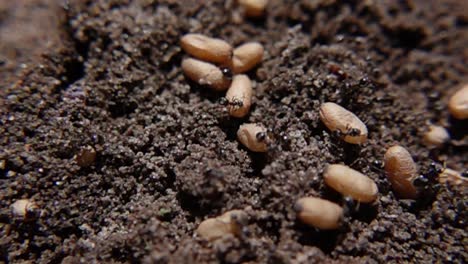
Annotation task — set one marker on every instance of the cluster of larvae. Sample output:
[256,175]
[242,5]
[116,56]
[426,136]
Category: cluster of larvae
[324,214]
[400,167]
[215,60]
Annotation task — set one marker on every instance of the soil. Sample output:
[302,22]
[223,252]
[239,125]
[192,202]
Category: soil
[104,76]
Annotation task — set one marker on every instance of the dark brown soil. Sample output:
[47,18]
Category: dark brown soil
[107,74]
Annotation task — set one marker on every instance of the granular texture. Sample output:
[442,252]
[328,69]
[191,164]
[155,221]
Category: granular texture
[167,156]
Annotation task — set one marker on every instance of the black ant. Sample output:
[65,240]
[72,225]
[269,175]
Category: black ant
[354,132]
[236,103]
[223,101]
[261,136]
[423,181]
[377,165]
[226,72]
[427,183]
[350,206]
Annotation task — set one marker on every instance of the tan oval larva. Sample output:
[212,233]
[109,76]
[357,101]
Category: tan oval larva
[24,208]
[247,56]
[436,136]
[337,118]
[228,223]
[205,48]
[351,183]
[319,213]
[401,171]
[254,8]
[452,177]
[458,103]
[205,73]
[248,136]
[212,228]
[239,96]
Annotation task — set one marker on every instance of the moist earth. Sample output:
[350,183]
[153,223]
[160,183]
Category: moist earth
[105,75]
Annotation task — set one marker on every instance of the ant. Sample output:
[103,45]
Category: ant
[234,103]
[427,183]
[423,180]
[353,132]
[223,101]
[226,72]
[350,206]
[261,136]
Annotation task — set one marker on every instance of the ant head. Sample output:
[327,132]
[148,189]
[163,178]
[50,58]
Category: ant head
[377,164]
[223,101]
[237,102]
[354,132]
[349,205]
[261,136]
[226,72]
[435,169]
[337,133]
[420,182]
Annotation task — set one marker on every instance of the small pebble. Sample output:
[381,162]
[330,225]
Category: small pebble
[25,209]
